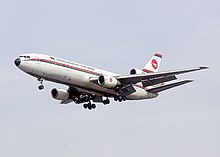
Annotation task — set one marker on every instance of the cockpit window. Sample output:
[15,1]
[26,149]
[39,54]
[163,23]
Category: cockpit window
[52,58]
[24,56]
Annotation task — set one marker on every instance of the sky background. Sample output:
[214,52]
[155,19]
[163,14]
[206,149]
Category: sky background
[115,35]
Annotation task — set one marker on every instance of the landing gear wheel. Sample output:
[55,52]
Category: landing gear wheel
[85,106]
[107,101]
[41,87]
[93,106]
[90,107]
[120,98]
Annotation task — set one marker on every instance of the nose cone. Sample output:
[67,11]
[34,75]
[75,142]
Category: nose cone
[17,61]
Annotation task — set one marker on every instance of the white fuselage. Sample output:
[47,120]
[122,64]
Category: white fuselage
[73,74]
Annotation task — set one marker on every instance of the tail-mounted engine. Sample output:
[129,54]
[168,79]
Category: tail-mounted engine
[136,71]
[108,81]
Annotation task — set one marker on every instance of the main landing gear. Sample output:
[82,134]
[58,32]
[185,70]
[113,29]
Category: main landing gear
[41,82]
[107,101]
[89,105]
[120,98]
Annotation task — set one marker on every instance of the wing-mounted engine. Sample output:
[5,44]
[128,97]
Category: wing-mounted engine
[70,95]
[108,81]
[60,94]
[136,71]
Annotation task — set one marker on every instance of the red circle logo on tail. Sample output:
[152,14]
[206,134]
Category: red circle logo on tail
[154,64]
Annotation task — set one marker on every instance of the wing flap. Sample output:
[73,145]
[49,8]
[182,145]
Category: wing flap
[128,90]
[168,86]
[155,81]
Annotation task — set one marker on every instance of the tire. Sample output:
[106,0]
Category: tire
[120,98]
[85,106]
[89,107]
[107,101]
[40,87]
[93,106]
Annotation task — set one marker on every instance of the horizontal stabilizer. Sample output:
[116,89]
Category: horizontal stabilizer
[168,86]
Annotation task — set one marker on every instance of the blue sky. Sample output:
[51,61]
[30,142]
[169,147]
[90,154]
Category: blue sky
[116,36]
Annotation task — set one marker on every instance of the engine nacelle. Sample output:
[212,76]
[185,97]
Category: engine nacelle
[108,81]
[136,71]
[60,94]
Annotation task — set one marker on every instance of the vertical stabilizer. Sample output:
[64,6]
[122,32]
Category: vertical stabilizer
[154,64]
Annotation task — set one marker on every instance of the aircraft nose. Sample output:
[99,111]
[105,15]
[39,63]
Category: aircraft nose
[17,61]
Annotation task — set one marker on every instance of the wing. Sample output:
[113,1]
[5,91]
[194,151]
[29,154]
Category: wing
[133,79]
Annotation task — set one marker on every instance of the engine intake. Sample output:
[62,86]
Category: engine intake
[108,81]
[136,71]
[60,94]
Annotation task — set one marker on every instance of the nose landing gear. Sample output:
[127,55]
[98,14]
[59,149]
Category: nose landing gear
[41,82]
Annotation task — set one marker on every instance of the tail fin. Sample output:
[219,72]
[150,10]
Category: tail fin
[154,64]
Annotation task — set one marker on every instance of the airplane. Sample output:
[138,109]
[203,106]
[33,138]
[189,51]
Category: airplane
[88,85]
